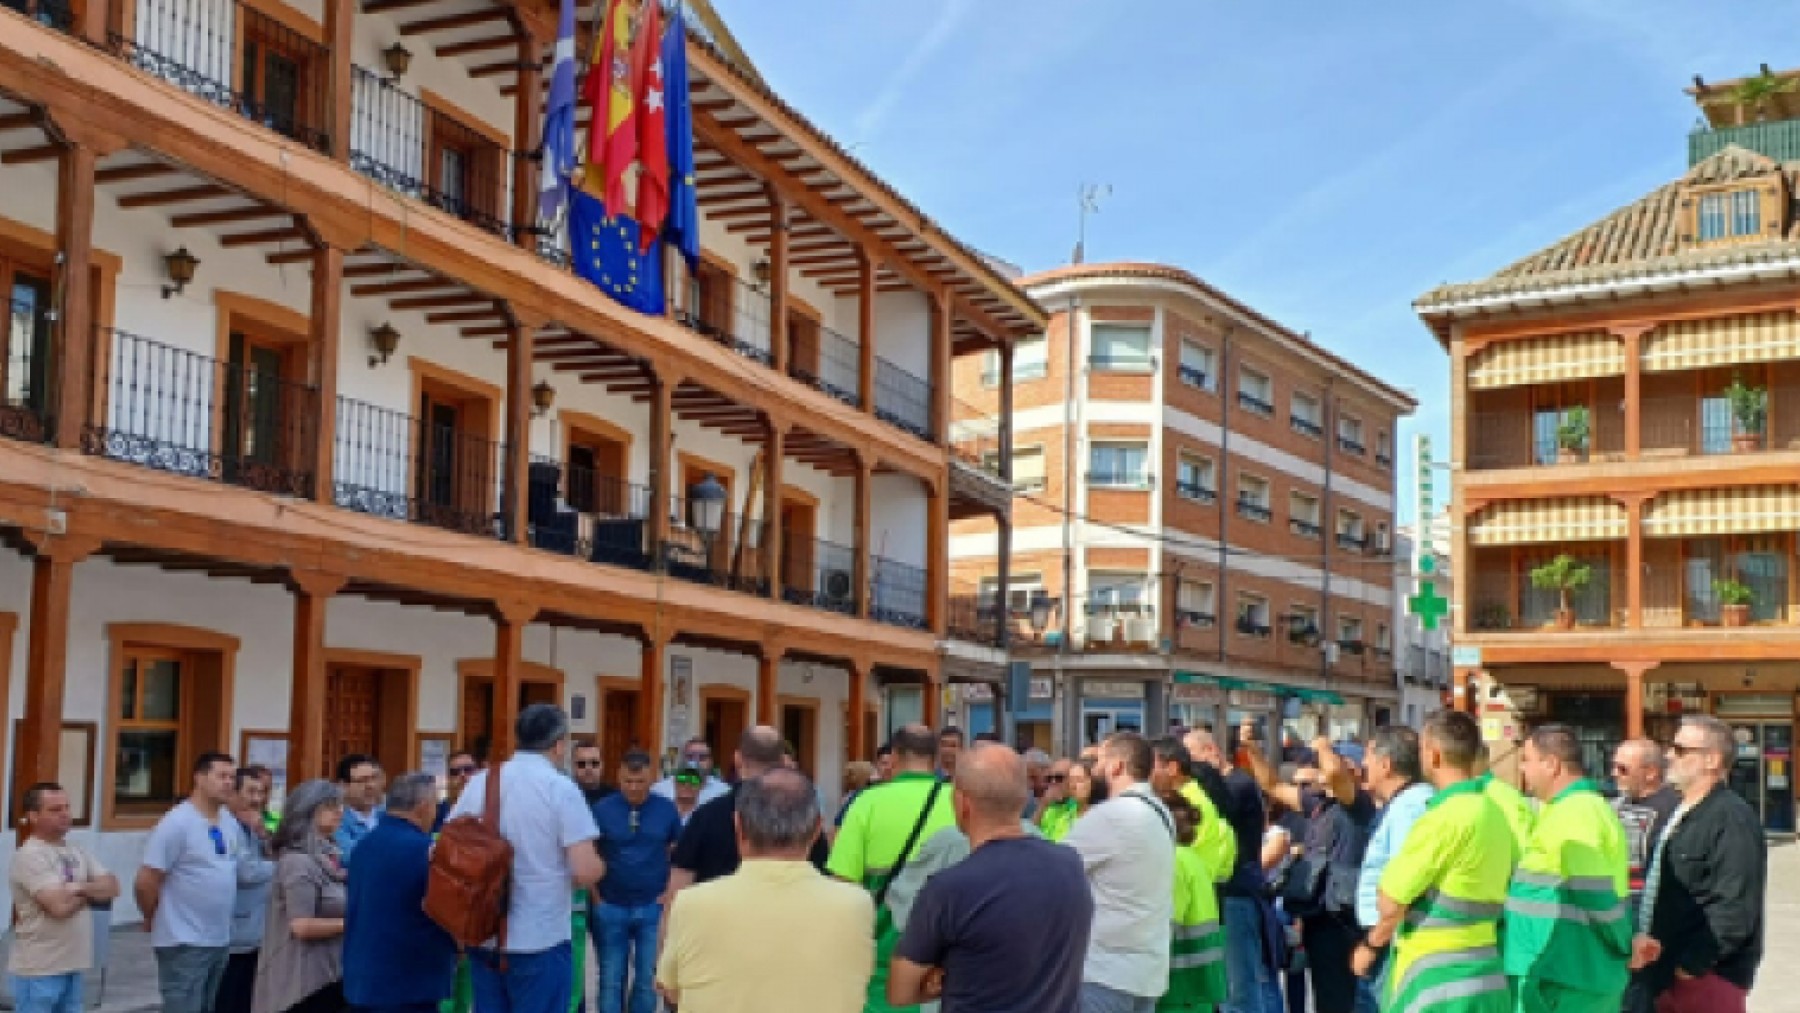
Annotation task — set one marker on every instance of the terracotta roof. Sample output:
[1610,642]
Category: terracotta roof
[1642,238]
[1128,270]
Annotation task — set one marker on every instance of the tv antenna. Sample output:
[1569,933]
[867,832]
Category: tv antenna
[1089,197]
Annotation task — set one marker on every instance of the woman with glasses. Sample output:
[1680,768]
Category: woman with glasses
[301,969]
[1071,789]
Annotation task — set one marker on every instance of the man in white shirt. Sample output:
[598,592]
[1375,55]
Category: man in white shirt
[551,829]
[1127,845]
[187,887]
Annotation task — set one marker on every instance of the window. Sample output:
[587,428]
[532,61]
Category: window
[1194,478]
[1350,434]
[1027,468]
[1728,215]
[1383,543]
[1256,392]
[1384,640]
[1303,625]
[1350,530]
[1031,361]
[1197,364]
[1384,449]
[1253,498]
[1020,591]
[1115,593]
[1124,465]
[1759,562]
[1253,615]
[1304,414]
[1303,515]
[166,707]
[1121,347]
[1350,634]
[1561,423]
[1194,605]
[25,359]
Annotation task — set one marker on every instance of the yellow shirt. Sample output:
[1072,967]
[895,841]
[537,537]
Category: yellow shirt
[775,935]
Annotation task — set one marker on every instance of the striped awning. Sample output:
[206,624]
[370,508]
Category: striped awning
[1535,522]
[1747,510]
[1721,341]
[1547,359]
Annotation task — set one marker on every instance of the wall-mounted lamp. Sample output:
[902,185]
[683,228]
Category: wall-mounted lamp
[706,505]
[384,339]
[396,58]
[543,396]
[180,266]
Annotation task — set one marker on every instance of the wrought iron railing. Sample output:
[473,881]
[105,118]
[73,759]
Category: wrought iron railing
[394,465]
[729,556]
[898,593]
[1305,426]
[1193,376]
[976,619]
[902,399]
[173,410]
[238,58]
[818,573]
[1253,510]
[57,14]
[828,361]
[1251,403]
[1351,445]
[575,511]
[26,368]
[1352,541]
[1304,528]
[1195,491]
[724,310]
[417,150]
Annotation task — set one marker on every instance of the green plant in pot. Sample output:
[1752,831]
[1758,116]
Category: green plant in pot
[1735,599]
[1749,414]
[1572,436]
[1565,575]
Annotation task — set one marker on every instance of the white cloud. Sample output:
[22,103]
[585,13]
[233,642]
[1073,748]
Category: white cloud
[869,120]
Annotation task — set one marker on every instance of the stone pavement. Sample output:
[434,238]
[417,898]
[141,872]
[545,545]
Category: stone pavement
[131,972]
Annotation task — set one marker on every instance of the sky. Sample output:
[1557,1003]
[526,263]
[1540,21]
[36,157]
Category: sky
[1326,162]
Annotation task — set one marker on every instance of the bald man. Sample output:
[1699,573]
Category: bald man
[1006,928]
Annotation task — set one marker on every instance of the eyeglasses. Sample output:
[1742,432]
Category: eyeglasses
[687,777]
[587,764]
[463,769]
[218,839]
[1057,778]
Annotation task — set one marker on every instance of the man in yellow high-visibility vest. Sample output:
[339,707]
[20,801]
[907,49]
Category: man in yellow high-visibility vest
[1568,926]
[1441,896]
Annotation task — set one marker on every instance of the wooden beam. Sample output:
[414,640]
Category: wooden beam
[495,69]
[157,198]
[377,270]
[383,6]
[75,361]
[27,156]
[398,287]
[443,302]
[452,22]
[18,121]
[228,216]
[258,238]
[132,173]
[474,45]
[290,256]
[463,316]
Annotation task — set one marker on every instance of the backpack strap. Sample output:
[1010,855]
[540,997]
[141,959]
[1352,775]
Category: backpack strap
[918,827]
[1161,813]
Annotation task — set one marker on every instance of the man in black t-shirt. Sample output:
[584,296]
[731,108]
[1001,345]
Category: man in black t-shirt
[1005,929]
[708,846]
[1645,804]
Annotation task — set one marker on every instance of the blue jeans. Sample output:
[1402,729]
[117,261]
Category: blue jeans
[532,982]
[627,937]
[1100,999]
[50,993]
[1246,972]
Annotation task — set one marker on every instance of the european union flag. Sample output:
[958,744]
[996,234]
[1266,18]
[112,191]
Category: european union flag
[604,250]
[682,226]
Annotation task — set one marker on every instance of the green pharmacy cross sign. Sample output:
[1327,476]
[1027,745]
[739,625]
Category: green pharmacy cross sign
[1428,605]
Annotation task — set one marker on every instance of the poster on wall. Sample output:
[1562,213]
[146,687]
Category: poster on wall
[681,692]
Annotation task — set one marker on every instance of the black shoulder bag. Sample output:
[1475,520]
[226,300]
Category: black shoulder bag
[906,850]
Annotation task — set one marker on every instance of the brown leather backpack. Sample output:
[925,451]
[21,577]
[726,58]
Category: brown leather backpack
[467,890]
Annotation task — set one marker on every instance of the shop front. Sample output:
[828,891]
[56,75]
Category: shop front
[1762,771]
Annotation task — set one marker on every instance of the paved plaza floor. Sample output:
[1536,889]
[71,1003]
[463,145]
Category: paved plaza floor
[131,971]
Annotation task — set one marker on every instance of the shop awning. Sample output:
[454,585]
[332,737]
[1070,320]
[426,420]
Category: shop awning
[1737,511]
[1542,521]
[1722,341]
[1221,681]
[1316,695]
[1546,360]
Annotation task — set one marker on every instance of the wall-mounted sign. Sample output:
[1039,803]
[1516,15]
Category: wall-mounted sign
[1205,696]
[1042,687]
[1113,690]
[1255,699]
[1465,655]
[978,692]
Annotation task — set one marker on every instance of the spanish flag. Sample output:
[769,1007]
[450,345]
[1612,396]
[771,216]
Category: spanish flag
[612,98]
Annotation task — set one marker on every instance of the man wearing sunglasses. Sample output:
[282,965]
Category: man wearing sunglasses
[187,887]
[1645,803]
[462,767]
[696,755]
[590,772]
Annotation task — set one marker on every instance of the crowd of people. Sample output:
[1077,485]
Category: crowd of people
[1175,874]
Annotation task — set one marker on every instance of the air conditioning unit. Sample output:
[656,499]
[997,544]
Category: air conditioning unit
[1100,628]
[837,585]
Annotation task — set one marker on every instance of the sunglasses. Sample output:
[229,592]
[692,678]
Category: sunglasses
[218,839]
[587,764]
[688,778]
[1057,778]
[463,769]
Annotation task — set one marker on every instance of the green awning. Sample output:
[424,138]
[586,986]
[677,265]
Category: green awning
[1316,695]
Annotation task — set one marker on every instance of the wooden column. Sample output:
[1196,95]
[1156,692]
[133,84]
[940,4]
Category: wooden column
[46,658]
[650,696]
[778,280]
[1003,551]
[510,620]
[322,365]
[93,21]
[1633,337]
[1634,559]
[768,676]
[865,324]
[340,29]
[943,330]
[774,452]
[855,702]
[1634,695]
[861,570]
[520,344]
[1460,681]
[1006,410]
[313,590]
[527,122]
[933,702]
[937,560]
[75,364]
[662,410]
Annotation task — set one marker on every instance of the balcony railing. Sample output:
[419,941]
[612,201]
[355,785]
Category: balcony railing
[1351,445]
[975,438]
[203,46]
[1251,403]
[725,311]
[1193,376]
[829,362]
[1506,600]
[1305,426]
[1383,459]
[898,593]
[26,364]
[1352,541]
[57,14]
[393,465]
[172,410]
[730,557]
[1120,478]
[1304,528]
[1253,510]
[577,512]
[818,573]
[1351,646]
[1196,492]
[902,399]
[417,150]
[976,619]
[1779,140]
[1249,626]
[1195,619]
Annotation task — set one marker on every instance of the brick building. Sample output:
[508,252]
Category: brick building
[1203,513]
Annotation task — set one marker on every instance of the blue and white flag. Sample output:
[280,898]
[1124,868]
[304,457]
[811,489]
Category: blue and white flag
[559,121]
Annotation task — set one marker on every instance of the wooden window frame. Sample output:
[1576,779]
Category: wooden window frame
[1772,210]
[166,637]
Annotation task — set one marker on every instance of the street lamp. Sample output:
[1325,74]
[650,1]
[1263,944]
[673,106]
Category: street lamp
[706,505]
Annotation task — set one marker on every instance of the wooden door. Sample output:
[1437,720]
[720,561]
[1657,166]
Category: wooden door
[618,726]
[800,728]
[798,522]
[725,721]
[803,346]
[25,356]
[352,707]
[478,709]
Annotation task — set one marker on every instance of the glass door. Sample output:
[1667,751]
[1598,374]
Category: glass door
[25,366]
[1778,774]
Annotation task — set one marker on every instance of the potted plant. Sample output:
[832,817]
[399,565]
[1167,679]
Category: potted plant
[1565,575]
[1749,413]
[1493,616]
[1734,601]
[1572,436]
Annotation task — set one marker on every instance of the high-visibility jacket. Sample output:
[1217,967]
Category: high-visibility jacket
[1058,820]
[1568,911]
[1197,940]
[1452,874]
[1213,840]
[1514,806]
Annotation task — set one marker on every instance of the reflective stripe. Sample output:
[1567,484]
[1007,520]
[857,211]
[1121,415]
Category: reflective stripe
[1195,931]
[1440,911]
[1450,991]
[1597,884]
[1566,912]
[1433,961]
[1187,961]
